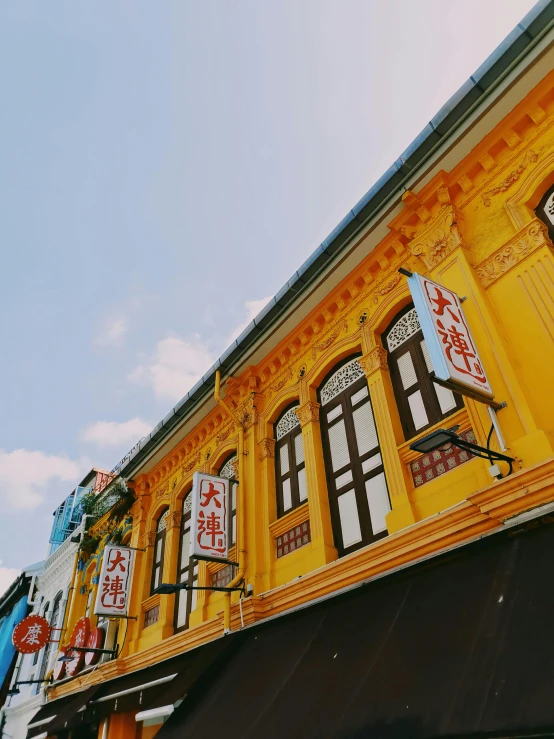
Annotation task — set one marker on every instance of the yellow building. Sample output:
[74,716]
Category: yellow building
[321,398]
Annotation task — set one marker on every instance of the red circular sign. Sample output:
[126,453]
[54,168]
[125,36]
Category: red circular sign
[31,634]
[96,641]
[78,639]
[59,667]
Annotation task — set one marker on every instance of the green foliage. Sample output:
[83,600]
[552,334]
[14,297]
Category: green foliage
[118,501]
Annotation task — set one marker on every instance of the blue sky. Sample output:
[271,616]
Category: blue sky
[165,168]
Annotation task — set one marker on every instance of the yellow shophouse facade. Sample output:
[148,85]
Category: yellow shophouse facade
[314,408]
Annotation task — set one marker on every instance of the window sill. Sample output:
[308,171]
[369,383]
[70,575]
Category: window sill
[289,520]
[149,603]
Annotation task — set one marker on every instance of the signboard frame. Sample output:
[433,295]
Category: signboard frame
[196,550]
[114,611]
[445,371]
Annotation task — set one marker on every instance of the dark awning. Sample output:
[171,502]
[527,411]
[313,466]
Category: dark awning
[71,714]
[51,714]
[161,684]
[458,646]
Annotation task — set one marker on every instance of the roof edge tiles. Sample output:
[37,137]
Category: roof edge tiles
[519,42]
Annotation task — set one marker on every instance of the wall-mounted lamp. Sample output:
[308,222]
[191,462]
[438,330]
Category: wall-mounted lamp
[445,437]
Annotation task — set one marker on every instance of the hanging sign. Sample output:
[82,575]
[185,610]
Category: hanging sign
[31,634]
[79,638]
[95,641]
[454,354]
[210,517]
[59,666]
[114,587]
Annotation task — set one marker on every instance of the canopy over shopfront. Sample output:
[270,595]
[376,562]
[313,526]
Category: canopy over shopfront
[458,646]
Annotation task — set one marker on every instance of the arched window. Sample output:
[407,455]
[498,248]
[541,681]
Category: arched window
[421,402]
[290,471]
[545,210]
[358,494]
[187,570]
[159,550]
[230,470]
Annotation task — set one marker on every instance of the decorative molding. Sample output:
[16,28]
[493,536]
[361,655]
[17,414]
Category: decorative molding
[267,449]
[248,412]
[148,539]
[282,381]
[308,413]
[528,240]
[224,434]
[191,464]
[342,325]
[174,520]
[162,490]
[385,288]
[529,158]
[374,360]
[439,239]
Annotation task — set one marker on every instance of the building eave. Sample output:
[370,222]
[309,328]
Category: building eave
[412,164]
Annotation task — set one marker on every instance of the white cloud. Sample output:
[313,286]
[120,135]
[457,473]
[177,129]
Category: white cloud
[176,366]
[253,307]
[7,576]
[114,433]
[25,475]
[111,332]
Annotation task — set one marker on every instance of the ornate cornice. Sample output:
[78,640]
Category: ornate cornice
[308,413]
[439,238]
[267,449]
[342,325]
[525,242]
[529,158]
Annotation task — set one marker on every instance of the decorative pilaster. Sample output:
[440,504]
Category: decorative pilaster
[322,544]
[268,512]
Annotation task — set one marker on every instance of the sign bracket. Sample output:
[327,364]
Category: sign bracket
[469,393]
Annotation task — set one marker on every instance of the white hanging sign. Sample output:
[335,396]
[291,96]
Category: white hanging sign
[453,352]
[114,587]
[210,517]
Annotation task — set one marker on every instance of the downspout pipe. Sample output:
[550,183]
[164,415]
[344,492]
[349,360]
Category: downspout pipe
[241,533]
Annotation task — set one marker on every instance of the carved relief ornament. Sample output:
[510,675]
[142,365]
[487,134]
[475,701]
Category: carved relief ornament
[529,158]
[267,449]
[148,539]
[326,343]
[308,413]
[439,238]
[282,381]
[174,520]
[526,241]
[375,359]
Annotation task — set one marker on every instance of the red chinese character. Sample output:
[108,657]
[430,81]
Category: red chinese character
[117,560]
[211,527]
[112,588]
[441,302]
[33,632]
[212,493]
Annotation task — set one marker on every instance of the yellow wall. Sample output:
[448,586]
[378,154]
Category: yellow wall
[472,229]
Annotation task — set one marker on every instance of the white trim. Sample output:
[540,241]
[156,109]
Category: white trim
[136,689]
[161,712]
[44,735]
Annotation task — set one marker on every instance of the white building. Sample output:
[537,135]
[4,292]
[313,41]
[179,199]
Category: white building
[50,600]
